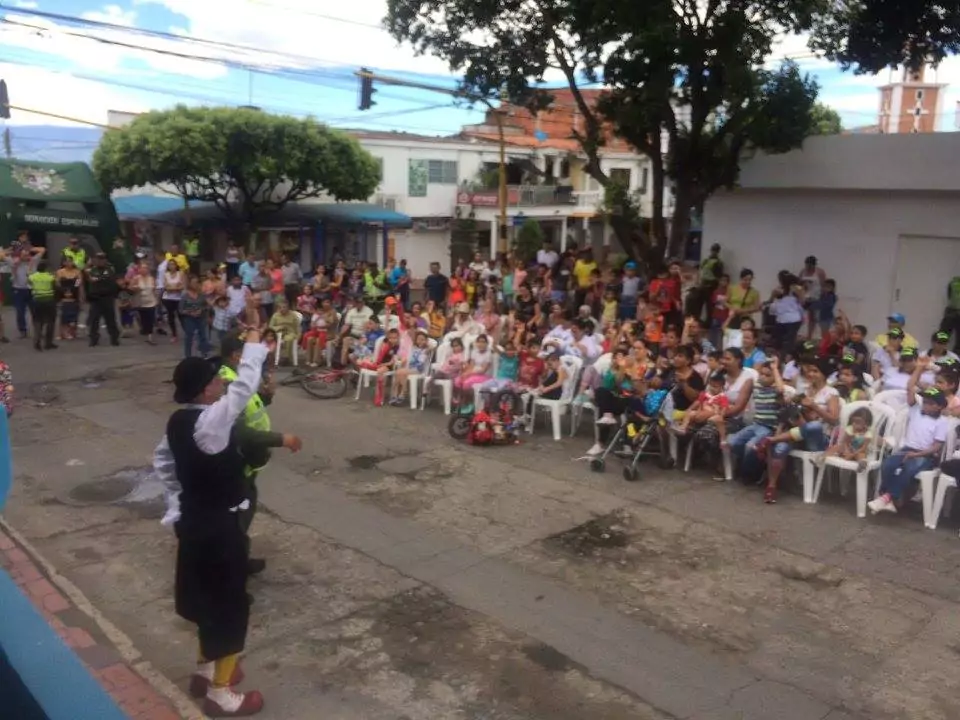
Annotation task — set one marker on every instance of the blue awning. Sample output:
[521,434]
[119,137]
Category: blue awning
[356,213]
[132,207]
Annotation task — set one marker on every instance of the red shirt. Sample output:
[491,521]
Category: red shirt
[666,293]
[531,368]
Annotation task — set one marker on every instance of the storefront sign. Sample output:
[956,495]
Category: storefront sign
[488,198]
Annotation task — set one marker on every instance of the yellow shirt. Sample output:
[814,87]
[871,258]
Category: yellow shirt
[909,341]
[609,311]
[582,270]
[180,260]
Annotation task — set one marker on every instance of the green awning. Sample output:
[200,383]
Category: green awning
[48,182]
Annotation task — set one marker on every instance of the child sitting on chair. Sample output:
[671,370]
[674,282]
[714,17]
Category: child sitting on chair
[709,408]
[415,364]
[854,440]
[362,350]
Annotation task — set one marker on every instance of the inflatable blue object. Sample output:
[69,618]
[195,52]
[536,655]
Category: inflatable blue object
[6,459]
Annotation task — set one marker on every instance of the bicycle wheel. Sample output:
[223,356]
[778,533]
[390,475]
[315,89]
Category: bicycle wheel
[326,386]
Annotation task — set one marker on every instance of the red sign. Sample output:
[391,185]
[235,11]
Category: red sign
[488,198]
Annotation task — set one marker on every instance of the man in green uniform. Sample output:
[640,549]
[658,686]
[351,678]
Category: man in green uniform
[75,253]
[191,246]
[43,287]
[103,288]
[253,434]
[711,268]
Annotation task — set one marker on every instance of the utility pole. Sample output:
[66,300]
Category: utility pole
[368,77]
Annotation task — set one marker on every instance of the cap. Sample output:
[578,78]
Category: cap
[908,353]
[715,247]
[897,318]
[631,265]
[462,307]
[895,333]
[934,395]
[191,377]
[941,337]
[948,361]
[139,254]
[848,358]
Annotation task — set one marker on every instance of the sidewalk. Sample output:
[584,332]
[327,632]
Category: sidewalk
[82,633]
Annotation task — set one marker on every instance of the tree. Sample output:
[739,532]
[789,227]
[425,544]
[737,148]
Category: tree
[826,120]
[247,162]
[685,83]
[463,239]
[870,35]
[529,240]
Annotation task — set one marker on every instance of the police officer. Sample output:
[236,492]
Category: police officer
[43,287]
[191,247]
[102,292]
[254,436]
[76,253]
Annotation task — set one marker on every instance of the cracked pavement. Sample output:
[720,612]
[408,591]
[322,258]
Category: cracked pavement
[413,577]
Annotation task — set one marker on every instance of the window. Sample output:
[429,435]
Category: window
[621,176]
[919,95]
[442,172]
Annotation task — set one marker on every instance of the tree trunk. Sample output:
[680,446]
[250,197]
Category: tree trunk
[680,222]
[657,222]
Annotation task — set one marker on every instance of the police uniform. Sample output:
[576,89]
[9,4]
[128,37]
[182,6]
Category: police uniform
[200,462]
[78,255]
[102,293]
[43,288]
[191,248]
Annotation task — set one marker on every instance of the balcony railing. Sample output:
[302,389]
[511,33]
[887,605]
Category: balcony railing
[588,200]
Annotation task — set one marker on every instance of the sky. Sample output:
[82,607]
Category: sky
[305,57]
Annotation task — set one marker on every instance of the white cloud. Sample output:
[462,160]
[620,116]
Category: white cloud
[98,49]
[26,5]
[60,93]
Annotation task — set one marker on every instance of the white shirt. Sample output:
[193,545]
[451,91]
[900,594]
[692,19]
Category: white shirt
[238,298]
[561,334]
[787,309]
[213,428]
[547,257]
[733,388]
[161,275]
[587,348]
[478,267]
[923,431]
[895,379]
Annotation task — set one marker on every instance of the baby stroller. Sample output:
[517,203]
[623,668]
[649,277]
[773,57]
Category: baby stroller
[636,431]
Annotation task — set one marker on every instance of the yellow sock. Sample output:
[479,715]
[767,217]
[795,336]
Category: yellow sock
[223,670]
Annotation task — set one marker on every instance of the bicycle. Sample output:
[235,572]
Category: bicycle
[322,383]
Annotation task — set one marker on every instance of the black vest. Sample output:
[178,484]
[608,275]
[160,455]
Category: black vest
[209,484]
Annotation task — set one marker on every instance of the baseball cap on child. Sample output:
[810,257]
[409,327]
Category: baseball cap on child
[895,333]
[934,395]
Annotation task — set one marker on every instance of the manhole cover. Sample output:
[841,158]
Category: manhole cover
[127,486]
[43,393]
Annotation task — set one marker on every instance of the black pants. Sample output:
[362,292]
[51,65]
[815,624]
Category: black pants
[148,317]
[173,314]
[291,293]
[103,308]
[246,516]
[44,321]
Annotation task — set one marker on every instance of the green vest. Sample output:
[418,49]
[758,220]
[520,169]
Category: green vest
[79,256]
[191,247]
[708,270]
[255,414]
[42,286]
[953,301]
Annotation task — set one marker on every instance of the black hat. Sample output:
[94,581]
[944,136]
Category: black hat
[191,377]
[934,395]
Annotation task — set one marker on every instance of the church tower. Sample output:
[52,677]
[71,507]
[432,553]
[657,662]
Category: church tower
[911,105]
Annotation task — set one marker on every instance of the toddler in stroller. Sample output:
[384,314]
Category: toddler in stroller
[639,426]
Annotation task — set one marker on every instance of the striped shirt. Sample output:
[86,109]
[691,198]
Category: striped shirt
[766,405]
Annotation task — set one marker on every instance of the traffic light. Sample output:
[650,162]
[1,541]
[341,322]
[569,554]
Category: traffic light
[4,101]
[366,89]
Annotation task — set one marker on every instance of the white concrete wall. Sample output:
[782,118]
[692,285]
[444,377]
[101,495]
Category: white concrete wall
[924,161]
[420,248]
[854,235]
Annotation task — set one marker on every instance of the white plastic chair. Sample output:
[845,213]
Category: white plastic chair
[413,380]
[445,384]
[890,441]
[934,484]
[897,399]
[558,408]
[366,375]
[601,365]
[295,347]
[883,423]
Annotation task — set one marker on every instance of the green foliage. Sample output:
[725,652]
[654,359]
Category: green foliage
[528,241]
[691,71]
[245,161]
[870,35]
[826,120]
[463,240]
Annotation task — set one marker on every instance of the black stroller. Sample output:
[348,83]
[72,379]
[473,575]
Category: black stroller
[632,439]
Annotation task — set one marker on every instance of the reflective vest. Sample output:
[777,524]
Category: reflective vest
[953,294]
[255,414]
[708,270]
[42,286]
[79,256]
[191,247]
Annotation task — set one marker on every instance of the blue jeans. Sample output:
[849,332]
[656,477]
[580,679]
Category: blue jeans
[897,472]
[743,447]
[194,327]
[23,303]
[813,438]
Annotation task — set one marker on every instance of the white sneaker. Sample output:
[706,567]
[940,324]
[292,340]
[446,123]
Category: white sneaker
[607,419]
[596,449]
[882,504]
